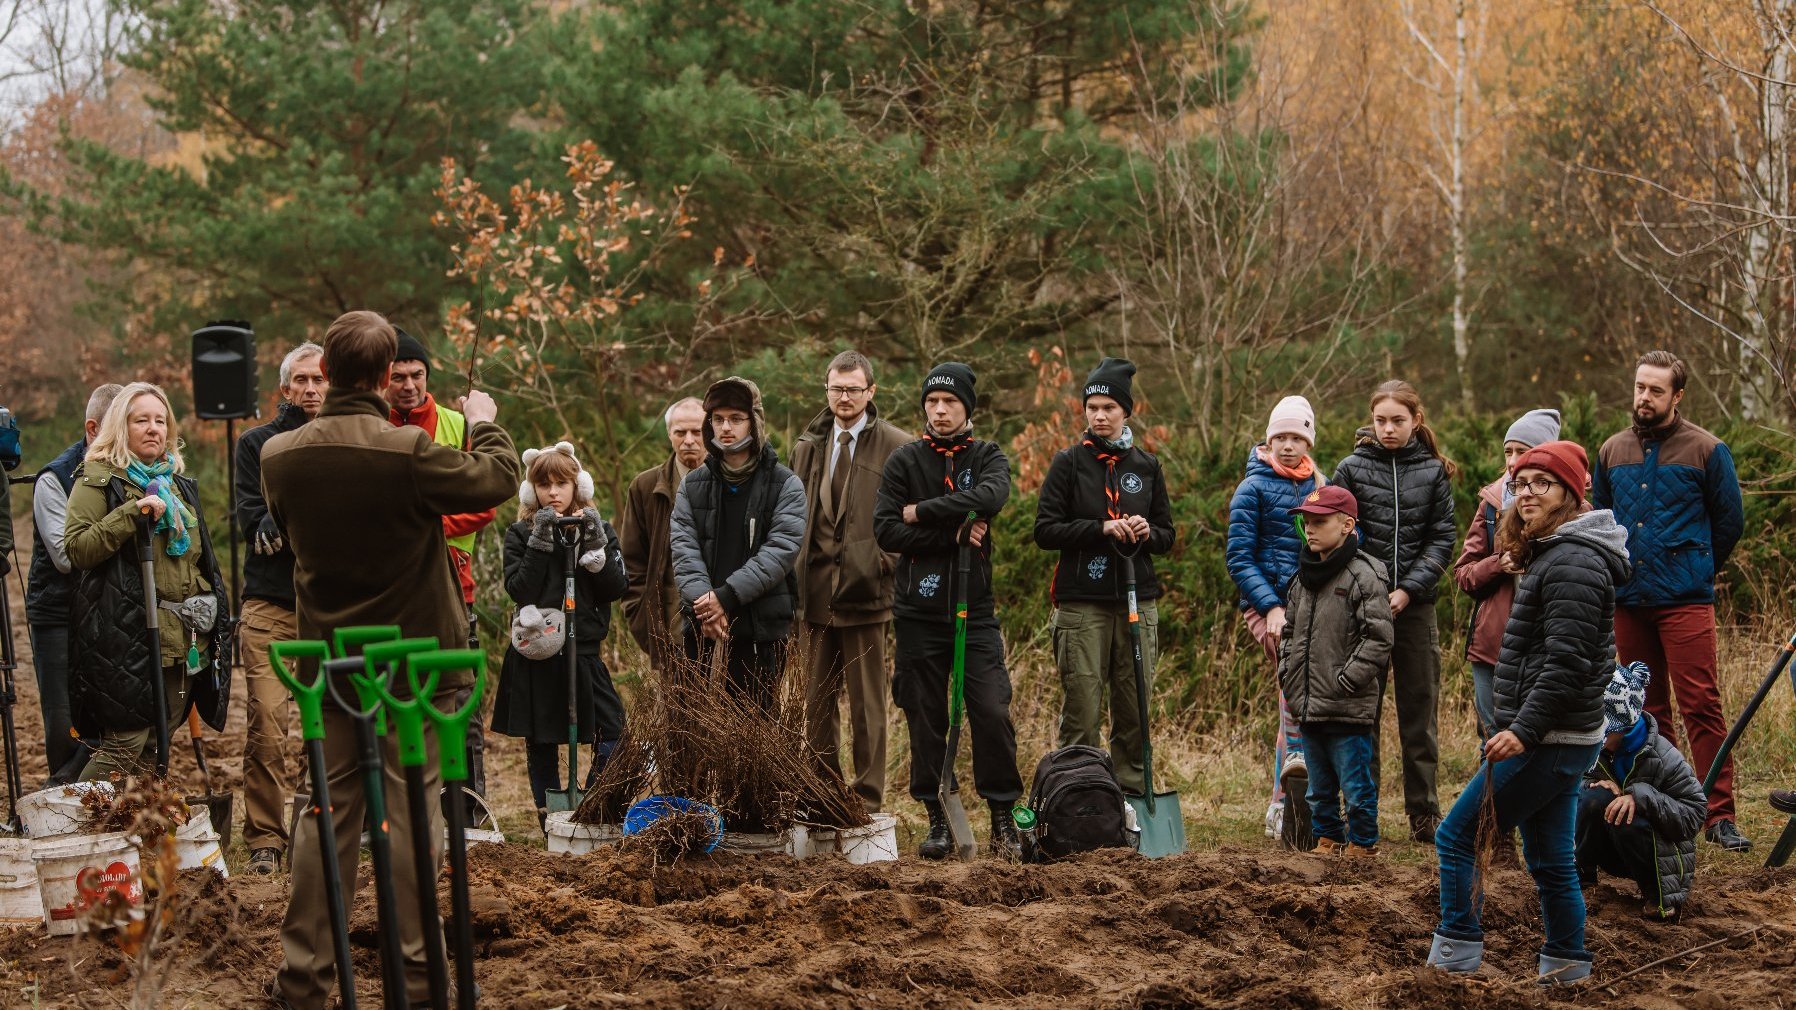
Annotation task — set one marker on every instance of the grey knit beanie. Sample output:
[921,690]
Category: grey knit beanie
[1536,427]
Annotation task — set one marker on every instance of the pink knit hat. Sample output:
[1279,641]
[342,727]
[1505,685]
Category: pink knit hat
[1293,416]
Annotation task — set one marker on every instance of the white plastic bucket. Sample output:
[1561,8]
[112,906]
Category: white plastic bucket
[196,844]
[875,842]
[72,872]
[567,837]
[20,902]
[58,809]
[480,836]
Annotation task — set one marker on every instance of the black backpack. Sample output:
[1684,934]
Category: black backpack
[1078,805]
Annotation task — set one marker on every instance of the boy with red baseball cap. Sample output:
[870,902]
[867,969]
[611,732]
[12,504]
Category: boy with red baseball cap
[1334,649]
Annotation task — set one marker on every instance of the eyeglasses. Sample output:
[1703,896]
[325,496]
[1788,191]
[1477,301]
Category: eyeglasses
[841,391]
[1537,487]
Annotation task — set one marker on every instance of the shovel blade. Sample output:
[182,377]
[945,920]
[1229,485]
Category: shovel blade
[1162,828]
[959,828]
[558,800]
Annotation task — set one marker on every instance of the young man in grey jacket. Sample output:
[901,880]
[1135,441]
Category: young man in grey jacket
[737,525]
[1336,642]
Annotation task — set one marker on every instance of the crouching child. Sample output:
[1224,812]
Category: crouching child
[1336,642]
[1641,806]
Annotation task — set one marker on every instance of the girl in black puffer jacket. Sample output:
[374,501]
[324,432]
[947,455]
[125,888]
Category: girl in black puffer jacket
[1557,655]
[1402,482]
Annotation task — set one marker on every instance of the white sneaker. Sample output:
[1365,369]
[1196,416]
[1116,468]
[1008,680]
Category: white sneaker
[1275,820]
[1295,768]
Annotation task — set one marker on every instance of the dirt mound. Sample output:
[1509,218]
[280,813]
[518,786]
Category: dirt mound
[1260,930]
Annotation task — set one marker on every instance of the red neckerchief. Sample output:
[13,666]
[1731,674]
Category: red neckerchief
[947,448]
[1112,488]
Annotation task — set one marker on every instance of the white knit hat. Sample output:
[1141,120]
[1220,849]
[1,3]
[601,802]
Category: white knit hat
[1293,416]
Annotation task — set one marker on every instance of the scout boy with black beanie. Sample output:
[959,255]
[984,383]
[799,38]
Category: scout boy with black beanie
[926,491]
[1103,499]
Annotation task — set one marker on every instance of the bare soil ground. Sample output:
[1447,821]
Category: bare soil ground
[1260,930]
[1229,925]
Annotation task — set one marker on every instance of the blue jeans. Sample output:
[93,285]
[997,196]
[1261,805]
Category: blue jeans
[1536,791]
[1483,699]
[1341,764]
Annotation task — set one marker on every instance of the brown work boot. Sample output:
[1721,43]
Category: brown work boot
[1328,847]
[1362,851]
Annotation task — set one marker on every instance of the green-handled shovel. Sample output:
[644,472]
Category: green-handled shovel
[452,755]
[1162,822]
[310,700]
[365,712]
[567,534]
[380,660]
[947,791]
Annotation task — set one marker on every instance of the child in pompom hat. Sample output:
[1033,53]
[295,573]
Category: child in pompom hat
[1262,555]
[530,700]
[1642,805]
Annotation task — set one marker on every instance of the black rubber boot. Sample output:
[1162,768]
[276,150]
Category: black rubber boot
[939,843]
[1005,843]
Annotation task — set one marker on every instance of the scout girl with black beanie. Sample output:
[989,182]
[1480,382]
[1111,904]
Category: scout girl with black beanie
[926,491]
[1403,483]
[1102,499]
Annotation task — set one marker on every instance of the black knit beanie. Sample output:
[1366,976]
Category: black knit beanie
[1112,378]
[952,377]
[411,349]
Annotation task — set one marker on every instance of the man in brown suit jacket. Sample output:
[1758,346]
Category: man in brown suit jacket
[651,603]
[361,503]
[845,580]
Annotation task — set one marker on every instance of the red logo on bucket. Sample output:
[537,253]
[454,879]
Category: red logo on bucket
[92,884]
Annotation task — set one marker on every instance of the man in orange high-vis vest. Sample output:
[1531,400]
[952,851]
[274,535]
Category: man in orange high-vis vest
[411,403]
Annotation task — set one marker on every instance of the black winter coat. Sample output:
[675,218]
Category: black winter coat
[1667,793]
[530,700]
[1405,512]
[265,576]
[1559,645]
[113,670]
[914,475]
[538,577]
[1070,516]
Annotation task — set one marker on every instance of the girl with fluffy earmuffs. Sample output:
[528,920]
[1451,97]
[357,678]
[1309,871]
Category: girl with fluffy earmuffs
[531,699]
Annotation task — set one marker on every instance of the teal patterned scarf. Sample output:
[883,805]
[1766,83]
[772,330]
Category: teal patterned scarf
[158,479]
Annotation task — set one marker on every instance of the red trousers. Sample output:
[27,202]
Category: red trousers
[1678,644]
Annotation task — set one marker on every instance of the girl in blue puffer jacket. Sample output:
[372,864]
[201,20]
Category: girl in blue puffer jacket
[1263,549]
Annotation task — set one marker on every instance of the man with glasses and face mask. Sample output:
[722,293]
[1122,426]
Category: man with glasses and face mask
[652,603]
[844,579]
[1673,486]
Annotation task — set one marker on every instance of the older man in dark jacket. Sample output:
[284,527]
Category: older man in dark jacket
[268,616]
[845,579]
[361,503]
[737,525]
[652,601]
